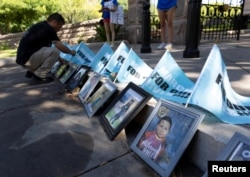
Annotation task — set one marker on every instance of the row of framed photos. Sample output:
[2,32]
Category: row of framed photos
[71,75]
[99,93]
[167,131]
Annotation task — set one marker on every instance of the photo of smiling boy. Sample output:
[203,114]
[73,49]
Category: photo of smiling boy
[153,143]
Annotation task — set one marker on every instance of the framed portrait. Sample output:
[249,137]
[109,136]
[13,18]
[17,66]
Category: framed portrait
[61,70]
[99,97]
[77,78]
[71,69]
[165,135]
[55,67]
[237,149]
[123,109]
[88,87]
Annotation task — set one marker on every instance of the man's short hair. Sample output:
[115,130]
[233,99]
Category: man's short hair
[56,16]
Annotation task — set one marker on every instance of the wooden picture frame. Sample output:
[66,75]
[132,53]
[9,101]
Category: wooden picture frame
[77,78]
[99,97]
[123,109]
[71,69]
[237,149]
[165,135]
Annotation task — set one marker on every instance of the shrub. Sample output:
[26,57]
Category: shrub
[4,46]
[100,31]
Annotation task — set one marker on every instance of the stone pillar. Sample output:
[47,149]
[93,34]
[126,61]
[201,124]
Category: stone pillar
[180,22]
[134,21]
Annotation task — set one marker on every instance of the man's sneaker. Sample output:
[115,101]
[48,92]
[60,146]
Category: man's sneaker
[168,47]
[161,46]
[43,80]
[29,74]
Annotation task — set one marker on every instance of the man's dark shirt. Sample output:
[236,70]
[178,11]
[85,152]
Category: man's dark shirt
[38,36]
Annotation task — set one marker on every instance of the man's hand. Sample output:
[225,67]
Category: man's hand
[73,52]
[63,61]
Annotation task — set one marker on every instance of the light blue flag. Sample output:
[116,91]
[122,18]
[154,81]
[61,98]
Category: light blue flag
[84,55]
[101,58]
[134,69]
[214,93]
[168,81]
[116,59]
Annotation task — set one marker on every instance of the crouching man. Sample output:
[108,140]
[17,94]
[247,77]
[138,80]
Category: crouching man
[35,51]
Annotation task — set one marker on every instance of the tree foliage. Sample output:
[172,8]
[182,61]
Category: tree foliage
[79,10]
[18,15]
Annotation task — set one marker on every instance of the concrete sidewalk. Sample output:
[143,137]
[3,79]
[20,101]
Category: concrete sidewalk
[47,134]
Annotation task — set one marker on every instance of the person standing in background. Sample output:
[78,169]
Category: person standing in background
[166,10]
[107,7]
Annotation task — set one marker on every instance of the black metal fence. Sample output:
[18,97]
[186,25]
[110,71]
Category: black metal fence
[220,19]
[155,29]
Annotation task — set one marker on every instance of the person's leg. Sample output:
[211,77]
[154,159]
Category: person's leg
[162,17]
[170,17]
[107,30]
[112,29]
[41,62]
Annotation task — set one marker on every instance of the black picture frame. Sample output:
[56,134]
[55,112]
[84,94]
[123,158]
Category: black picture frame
[162,155]
[123,109]
[88,87]
[99,97]
[237,149]
[71,69]
[77,78]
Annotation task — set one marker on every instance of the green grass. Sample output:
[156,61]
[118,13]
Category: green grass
[7,53]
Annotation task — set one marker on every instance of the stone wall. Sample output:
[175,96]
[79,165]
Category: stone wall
[84,31]
[70,33]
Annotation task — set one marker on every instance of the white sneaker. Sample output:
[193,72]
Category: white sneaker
[161,46]
[168,47]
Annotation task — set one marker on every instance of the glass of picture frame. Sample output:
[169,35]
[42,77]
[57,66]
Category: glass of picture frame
[123,109]
[93,80]
[72,68]
[237,149]
[77,78]
[99,97]
[61,70]
[55,67]
[165,135]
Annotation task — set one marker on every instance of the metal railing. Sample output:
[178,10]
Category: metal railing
[218,21]
[155,29]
